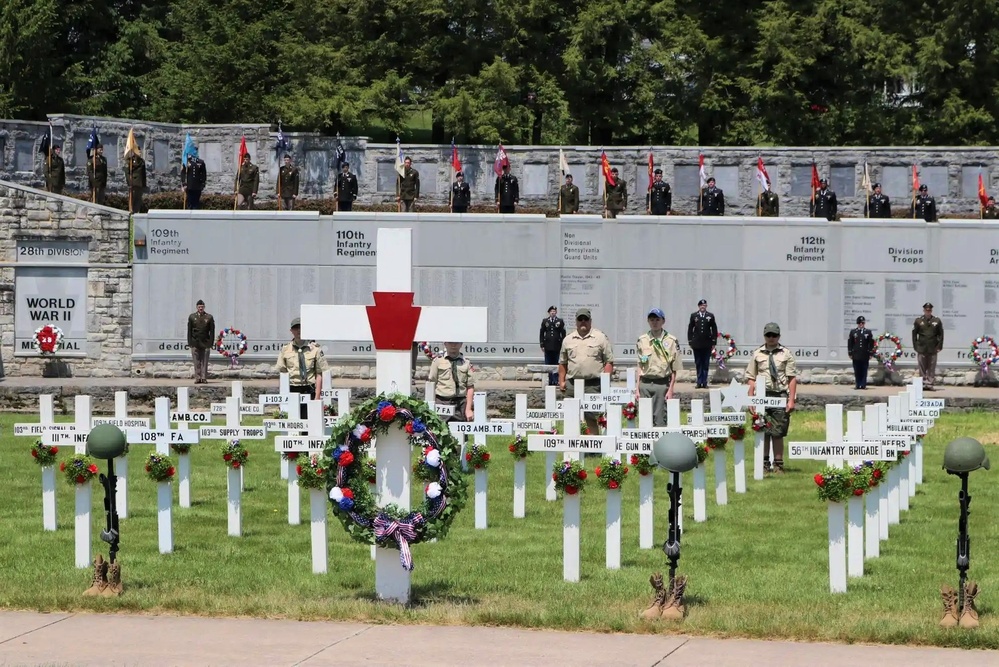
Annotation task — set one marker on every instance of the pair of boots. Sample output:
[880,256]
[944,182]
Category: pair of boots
[107,579]
[967,617]
[777,467]
[668,602]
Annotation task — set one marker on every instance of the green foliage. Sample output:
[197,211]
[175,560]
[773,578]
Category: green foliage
[79,469]
[478,457]
[44,455]
[518,448]
[834,484]
[642,464]
[611,473]
[312,471]
[159,467]
[702,452]
[234,454]
[570,477]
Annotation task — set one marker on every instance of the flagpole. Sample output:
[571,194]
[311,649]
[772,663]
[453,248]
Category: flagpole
[48,174]
[450,193]
[129,185]
[759,200]
[981,206]
[559,185]
[336,176]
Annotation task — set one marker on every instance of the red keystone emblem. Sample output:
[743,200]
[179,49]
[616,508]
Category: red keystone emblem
[393,320]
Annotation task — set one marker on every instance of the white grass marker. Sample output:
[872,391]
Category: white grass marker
[612,530]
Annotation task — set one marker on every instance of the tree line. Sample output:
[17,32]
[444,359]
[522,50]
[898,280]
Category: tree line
[585,72]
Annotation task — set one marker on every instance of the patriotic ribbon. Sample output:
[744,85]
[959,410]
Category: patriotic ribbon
[720,358]
[402,532]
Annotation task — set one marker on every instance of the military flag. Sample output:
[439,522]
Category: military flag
[455,160]
[606,168]
[761,175]
[131,145]
[93,141]
[866,185]
[983,196]
[815,181]
[45,147]
[190,150]
[563,164]
[915,180]
[239,163]
[652,167]
[283,145]
[501,161]
[400,167]
[702,174]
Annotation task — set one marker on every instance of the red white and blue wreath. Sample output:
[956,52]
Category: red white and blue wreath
[231,354]
[730,350]
[439,468]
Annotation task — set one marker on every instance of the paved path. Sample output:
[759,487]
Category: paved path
[28,638]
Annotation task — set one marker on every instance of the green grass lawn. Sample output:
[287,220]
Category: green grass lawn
[758,567]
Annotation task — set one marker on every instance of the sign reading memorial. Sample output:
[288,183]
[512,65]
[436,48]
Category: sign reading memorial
[55,296]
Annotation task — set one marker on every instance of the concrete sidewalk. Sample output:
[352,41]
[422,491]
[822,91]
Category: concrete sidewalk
[28,638]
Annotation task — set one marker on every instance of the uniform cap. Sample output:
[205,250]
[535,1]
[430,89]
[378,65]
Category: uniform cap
[614,170]
[582,312]
[928,305]
[551,308]
[658,171]
[772,328]
[861,319]
[200,303]
[702,302]
[923,188]
[823,180]
[657,312]
[711,179]
[297,322]
[459,174]
[876,186]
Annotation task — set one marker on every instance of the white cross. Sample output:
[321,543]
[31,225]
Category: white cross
[123,422]
[46,413]
[393,317]
[521,426]
[480,427]
[760,402]
[183,416]
[314,442]
[244,407]
[735,418]
[163,435]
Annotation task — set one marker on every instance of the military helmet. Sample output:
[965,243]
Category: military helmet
[964,455]
[106,442]
[674,452]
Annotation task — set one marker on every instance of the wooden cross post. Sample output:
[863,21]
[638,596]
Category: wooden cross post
[718,418]
[760,402]
[521,426]
[46,412]
[480,427]
[872,504]
[736,397]
[393,323]
[289,403]
[613,524]
[77,436]
[183,416]
[554,412]
[929,407]
[639,441]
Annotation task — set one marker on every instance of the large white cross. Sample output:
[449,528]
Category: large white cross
[393,323]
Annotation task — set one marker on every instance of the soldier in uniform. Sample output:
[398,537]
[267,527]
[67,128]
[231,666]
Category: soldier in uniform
[659,200]
[777,365]
[658,365]
[287,185]
[768,203]
[135,178]
[409,185]
[304,363]
[927,341]
[824,203]
[991,212]
[552,335]
[860,347]
[453,382]
[461,194]
[617,195]
[247,184]
[585,354]
[507,190]
[193,177]
[97,174]
[924,206]
[878,204]
[712,200]
[568,197]
[55,172]
[346,188]
[200,338]
[702,333]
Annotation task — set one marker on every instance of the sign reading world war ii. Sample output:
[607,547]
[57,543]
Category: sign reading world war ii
[50,295]
[812,277]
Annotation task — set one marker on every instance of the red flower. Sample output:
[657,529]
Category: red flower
[371,480]
[513,448]
[34,453]
[92,468]
[409,428]
[227,457]
[634,459]
[485,457]
[586,431]
[80,479]
[597,471]
[53,450]
[612,484]
[626,470]
[554,474]
[292,456]
[858,492]
[468,457]
[62,466]
[366,436]
[571,490]
[819,479]
[298,470]
[235,464]
[876,474]
[170,471]
[478,466]
[347,493]
[346,459]
[643,473]
[872,482]
[147,468]
[319,471]
[387,413]
[581,474]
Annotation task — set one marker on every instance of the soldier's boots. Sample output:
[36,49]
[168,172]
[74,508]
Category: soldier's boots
[778,468]
[655,609]
[100,580]
[114,586]
[675,609]
[969,614]
[949,597]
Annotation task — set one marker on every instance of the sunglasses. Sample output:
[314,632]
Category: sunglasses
[582,319]
[771,335]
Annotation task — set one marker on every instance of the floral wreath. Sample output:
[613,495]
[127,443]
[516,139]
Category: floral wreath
[518,448]
[159,467]
[991,355]
[233,357]
[234,454]
[46,339]
[722,357]
[79,469]
[630,411]
[760,422]
[44,455]
[642,464]
[439,466]
[429,351]
[611,473]
[737,432]
[888,360]
[569,477]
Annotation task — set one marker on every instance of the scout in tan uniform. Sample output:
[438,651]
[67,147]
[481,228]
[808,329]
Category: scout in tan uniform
[658,363]
[304,363]
[453,382]
[777,365]
[586,353]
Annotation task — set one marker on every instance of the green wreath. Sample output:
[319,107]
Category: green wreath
[439,465]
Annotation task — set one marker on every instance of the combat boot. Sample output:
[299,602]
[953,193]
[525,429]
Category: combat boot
[655,609]
[969,615]
[100,580]
[949,597]
[675,609]
[114,587]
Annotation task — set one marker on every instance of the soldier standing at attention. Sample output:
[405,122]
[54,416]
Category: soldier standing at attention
[552,335]
[658,364]
[453,382]
[200,338]
[927,341]
[768,203]
[304,363]
[659,200]
[712,200]
[193,177]
[461,194]
[287,185]
[346,188]
[702,333]
[989,213]
[409,185]
[860,347]
[878,204]
[55,172]
[135,178]
[97,174]
[568,197]
[247,184]
[777,365]
[507,191]
[586,353]
[924,206]
[824,204]
[617,195]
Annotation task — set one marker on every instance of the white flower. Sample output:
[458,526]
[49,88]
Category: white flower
[336,494]
[433,490]
[433,458]
[359,431]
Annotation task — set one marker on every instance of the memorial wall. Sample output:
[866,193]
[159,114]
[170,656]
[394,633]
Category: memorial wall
[254,270]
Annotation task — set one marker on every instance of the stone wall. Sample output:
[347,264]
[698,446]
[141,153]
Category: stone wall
[950,173]
[29,215]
